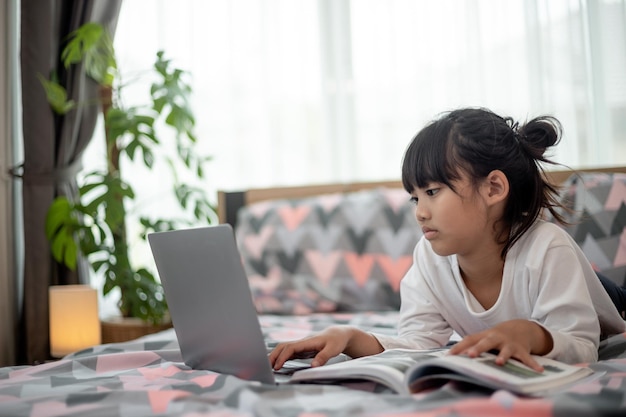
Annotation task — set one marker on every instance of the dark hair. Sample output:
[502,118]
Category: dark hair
[477,141]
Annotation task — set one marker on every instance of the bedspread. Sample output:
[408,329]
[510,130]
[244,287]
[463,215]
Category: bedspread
[146,377]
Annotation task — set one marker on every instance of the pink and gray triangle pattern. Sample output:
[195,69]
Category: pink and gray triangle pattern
[598,220]
[349,251]
[335,252]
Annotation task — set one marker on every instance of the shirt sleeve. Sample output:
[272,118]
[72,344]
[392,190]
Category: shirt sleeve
[421,326]
[564,306]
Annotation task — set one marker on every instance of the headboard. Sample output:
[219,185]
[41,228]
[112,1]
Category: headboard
[229,202]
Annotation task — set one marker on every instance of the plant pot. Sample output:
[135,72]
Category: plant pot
[123,329]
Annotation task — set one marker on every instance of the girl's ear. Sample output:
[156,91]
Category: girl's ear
[496,186]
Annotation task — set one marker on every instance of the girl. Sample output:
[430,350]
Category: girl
[486,267]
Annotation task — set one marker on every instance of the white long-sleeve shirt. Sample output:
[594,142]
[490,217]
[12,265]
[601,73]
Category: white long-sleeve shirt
[546,279]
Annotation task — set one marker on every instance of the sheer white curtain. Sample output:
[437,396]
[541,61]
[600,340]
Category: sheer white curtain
[309,91]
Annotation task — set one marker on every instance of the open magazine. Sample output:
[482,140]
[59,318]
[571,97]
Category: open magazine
[411,371]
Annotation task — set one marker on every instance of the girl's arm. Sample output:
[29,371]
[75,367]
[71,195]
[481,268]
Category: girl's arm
[327,344]
[564,306]
[562,322]
[512,339]
[421,324]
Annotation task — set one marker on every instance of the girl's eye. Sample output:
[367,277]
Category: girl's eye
[431,192]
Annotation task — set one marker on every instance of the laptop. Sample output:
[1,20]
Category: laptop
[210,302]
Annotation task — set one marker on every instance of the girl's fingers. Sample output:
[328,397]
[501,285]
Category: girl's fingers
[305,348]
[281,354]
[503,356]
[461,346]
[529,361]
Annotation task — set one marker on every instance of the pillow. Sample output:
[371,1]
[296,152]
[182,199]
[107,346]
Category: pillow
[598,220]
[334,252]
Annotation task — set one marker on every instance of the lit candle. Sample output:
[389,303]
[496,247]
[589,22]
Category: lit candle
[74,321]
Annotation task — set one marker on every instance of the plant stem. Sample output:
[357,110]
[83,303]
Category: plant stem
[118,230]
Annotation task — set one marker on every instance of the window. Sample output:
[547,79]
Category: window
[313,91]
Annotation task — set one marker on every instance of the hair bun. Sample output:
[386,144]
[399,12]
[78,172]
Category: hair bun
[539,134]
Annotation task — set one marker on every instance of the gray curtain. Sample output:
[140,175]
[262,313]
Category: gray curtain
[53,146]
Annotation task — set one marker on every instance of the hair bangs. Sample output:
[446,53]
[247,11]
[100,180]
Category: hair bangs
[427,159]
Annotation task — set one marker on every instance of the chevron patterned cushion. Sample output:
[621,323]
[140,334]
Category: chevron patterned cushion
[335,252]
[598,220]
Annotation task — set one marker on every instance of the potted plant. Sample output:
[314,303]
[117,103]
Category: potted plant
[95,225]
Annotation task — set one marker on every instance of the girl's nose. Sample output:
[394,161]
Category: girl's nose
[420,212]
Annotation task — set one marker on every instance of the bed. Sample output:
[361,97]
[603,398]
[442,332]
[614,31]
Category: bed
[146,376]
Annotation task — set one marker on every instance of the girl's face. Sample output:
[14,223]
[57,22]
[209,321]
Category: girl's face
[454,222]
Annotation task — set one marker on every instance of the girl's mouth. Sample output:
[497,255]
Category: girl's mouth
[429,233]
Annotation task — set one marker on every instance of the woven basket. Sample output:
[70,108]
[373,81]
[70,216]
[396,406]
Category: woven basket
[123,329]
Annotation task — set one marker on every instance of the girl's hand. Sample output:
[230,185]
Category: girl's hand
[513,339]
[325,345]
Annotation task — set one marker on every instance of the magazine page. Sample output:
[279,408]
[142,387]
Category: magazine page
[513,376]
[387,368]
